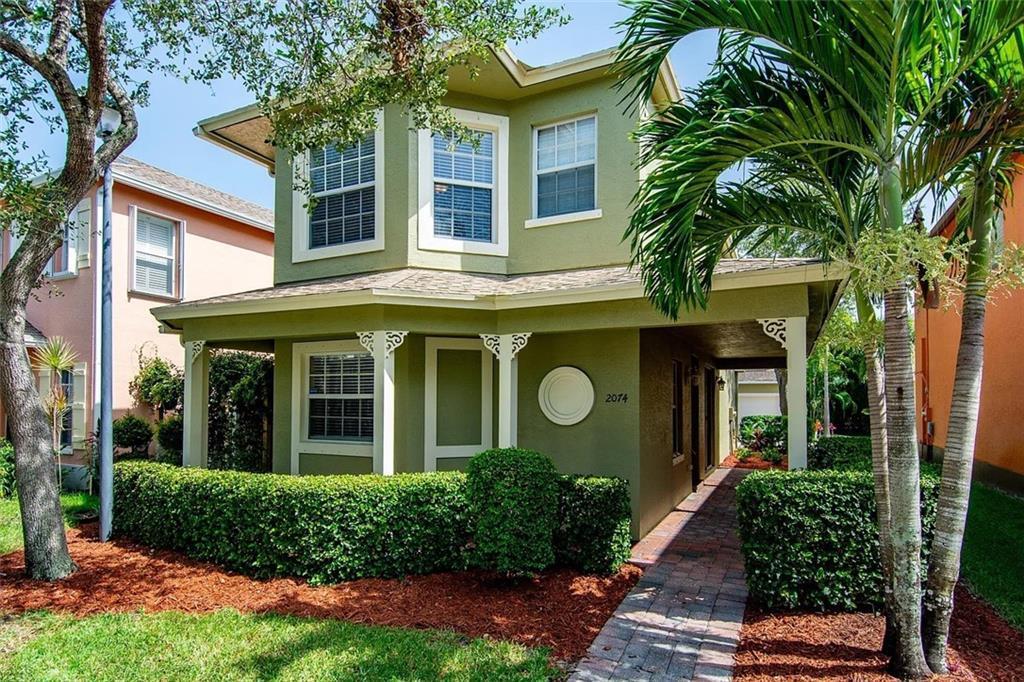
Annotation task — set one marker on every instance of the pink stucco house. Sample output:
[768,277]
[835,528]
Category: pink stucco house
[172,238]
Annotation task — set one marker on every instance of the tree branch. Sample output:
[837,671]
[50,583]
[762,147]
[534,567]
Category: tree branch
[60,32]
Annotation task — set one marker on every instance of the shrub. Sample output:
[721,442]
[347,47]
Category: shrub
[513,498]
[771,454]
[170,435]
[762,431]
[133,434]
[593,528]
[847,453]
[330,528]
[240,410]
[6,468]
[158,384]
[810,540]
[322,528]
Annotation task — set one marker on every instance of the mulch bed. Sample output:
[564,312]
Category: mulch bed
[561,609]
[753,462]
[845,646]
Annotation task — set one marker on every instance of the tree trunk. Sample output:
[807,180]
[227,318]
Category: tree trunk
[958,461]
[781,380]
[907,661]
[42,523]
[879,466]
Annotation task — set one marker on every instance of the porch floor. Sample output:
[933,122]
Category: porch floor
[682,619]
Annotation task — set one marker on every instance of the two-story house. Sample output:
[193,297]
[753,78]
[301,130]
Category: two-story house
[172,238]
[444,298]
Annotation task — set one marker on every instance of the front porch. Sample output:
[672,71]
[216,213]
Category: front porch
[418,373]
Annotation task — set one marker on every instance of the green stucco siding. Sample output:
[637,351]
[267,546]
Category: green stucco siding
[282,446]
[323,465]
[568,245]
[458,397]
[605,443]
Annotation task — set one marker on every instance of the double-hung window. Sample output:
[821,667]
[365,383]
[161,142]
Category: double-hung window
[340,397]
[67,386]
[154,261]
[566,159]
[463,187]
[342,183]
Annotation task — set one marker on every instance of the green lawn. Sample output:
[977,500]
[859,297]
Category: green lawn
[10,519]
[230,646]
[993,554]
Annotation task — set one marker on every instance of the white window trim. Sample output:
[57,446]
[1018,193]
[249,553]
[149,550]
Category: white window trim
[428,241]
[178,272]
[576,216]
[431,450]
[301,443]
[301,251]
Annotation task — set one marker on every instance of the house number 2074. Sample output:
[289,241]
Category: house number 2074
[616,398]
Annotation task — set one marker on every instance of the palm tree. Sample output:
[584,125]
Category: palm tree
[864,81]
[56,356]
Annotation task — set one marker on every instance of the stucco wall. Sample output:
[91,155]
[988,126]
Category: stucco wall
[569,245]
[1000,441]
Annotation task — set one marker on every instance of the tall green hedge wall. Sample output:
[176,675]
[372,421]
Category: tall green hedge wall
[333,528]
[809,538]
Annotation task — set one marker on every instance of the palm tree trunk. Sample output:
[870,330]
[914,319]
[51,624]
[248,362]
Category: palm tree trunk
[958,461]
[907,661]
[879,466]
[780,382]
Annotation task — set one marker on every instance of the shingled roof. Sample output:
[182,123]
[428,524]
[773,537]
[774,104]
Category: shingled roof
[445,283]
[148,177]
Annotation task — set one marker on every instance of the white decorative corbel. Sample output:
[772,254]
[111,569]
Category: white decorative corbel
[775,328]
[195,348]
[390,339]
[501,344]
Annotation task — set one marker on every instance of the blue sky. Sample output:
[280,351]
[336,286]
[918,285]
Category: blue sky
[165,131]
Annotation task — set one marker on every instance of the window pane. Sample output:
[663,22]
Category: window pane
[462,161]
[340,401]
[566,191]
[343,218]
[154,274]
[463,212]
[331,168]
[154,234]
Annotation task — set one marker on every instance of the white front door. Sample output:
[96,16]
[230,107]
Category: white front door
[457,420]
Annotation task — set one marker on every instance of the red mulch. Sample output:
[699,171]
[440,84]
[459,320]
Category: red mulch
[561,609]
[754,461]
[845,646]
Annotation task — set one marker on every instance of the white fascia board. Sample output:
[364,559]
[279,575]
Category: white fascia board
[160,191]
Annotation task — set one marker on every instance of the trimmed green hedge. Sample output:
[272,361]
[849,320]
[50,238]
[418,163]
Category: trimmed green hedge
[333,528]
[809,538]
[593,529]
[846,453]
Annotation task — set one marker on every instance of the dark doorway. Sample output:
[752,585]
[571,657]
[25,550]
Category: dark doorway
[696,466]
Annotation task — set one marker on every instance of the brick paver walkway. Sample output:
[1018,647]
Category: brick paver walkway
[682,620]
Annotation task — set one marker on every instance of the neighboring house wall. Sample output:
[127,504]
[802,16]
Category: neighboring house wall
[755,399]
[218,256]
[999,450]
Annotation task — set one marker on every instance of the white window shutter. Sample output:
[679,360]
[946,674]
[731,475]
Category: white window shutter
[83,223]
[43,382]
[79,430]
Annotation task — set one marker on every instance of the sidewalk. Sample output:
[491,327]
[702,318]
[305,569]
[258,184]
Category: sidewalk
[682,620]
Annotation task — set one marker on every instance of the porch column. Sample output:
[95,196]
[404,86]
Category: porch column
[196,404]
[382,345]
[506,347]
[796,390]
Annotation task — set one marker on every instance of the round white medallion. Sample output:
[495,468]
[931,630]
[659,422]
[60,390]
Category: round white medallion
[566,396]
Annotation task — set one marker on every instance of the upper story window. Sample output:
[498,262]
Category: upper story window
[463,187]
[346,185]
[565,181]
[342,183]
[155,257]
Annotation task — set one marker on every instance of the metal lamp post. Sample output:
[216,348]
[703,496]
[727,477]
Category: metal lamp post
[110,120]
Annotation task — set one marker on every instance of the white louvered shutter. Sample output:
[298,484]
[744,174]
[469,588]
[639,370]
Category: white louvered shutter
[83,227]
[79,429]
[154,255]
